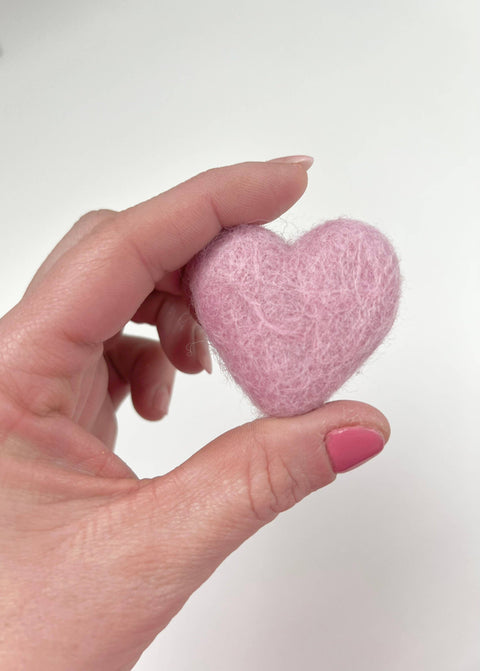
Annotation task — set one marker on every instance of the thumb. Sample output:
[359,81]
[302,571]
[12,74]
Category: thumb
[188,521]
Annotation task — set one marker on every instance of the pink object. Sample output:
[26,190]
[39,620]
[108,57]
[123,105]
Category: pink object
[293,321]
[351,446]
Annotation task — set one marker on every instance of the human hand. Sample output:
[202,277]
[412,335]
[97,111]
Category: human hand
[95,561]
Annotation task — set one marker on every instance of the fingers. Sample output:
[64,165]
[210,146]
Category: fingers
[141,366]
[98,284]
[183,340]
[200,512]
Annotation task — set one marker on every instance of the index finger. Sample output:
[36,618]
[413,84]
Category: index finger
[96,286]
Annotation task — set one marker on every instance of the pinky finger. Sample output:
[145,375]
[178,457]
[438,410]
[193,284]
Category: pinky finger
[142,365]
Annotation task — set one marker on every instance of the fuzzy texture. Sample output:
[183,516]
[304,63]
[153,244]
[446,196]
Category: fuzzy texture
[293,321]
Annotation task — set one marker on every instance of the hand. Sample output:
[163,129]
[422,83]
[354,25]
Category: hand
[94,561]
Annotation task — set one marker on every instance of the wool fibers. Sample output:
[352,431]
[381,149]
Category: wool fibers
[292,321]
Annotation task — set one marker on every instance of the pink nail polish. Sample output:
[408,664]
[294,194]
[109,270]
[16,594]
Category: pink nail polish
[304,160]
[351,446]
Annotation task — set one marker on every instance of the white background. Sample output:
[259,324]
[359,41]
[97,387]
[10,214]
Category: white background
[106,103]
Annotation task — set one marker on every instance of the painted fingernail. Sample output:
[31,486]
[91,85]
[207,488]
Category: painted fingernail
[161,400]
[351,446]
[303,159]
[201,349]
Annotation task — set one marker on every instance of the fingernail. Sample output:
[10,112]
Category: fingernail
[201,349]
[161,400]
[303,159]
[351,446]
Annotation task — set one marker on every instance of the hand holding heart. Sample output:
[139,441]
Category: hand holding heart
[90,552]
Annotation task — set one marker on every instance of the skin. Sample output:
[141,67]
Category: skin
[95,561]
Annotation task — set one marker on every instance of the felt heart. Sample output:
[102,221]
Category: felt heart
[293,321]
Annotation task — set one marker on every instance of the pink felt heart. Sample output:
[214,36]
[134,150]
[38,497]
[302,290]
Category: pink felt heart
[293,321]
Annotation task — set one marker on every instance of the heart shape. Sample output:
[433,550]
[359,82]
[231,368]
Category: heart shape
[293,321]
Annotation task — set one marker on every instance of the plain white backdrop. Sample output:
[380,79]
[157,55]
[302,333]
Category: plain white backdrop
[104,103]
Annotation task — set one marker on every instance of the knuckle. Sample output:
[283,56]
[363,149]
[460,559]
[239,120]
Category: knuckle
[210,173]
[272,485]
[92,219]
[96,215]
